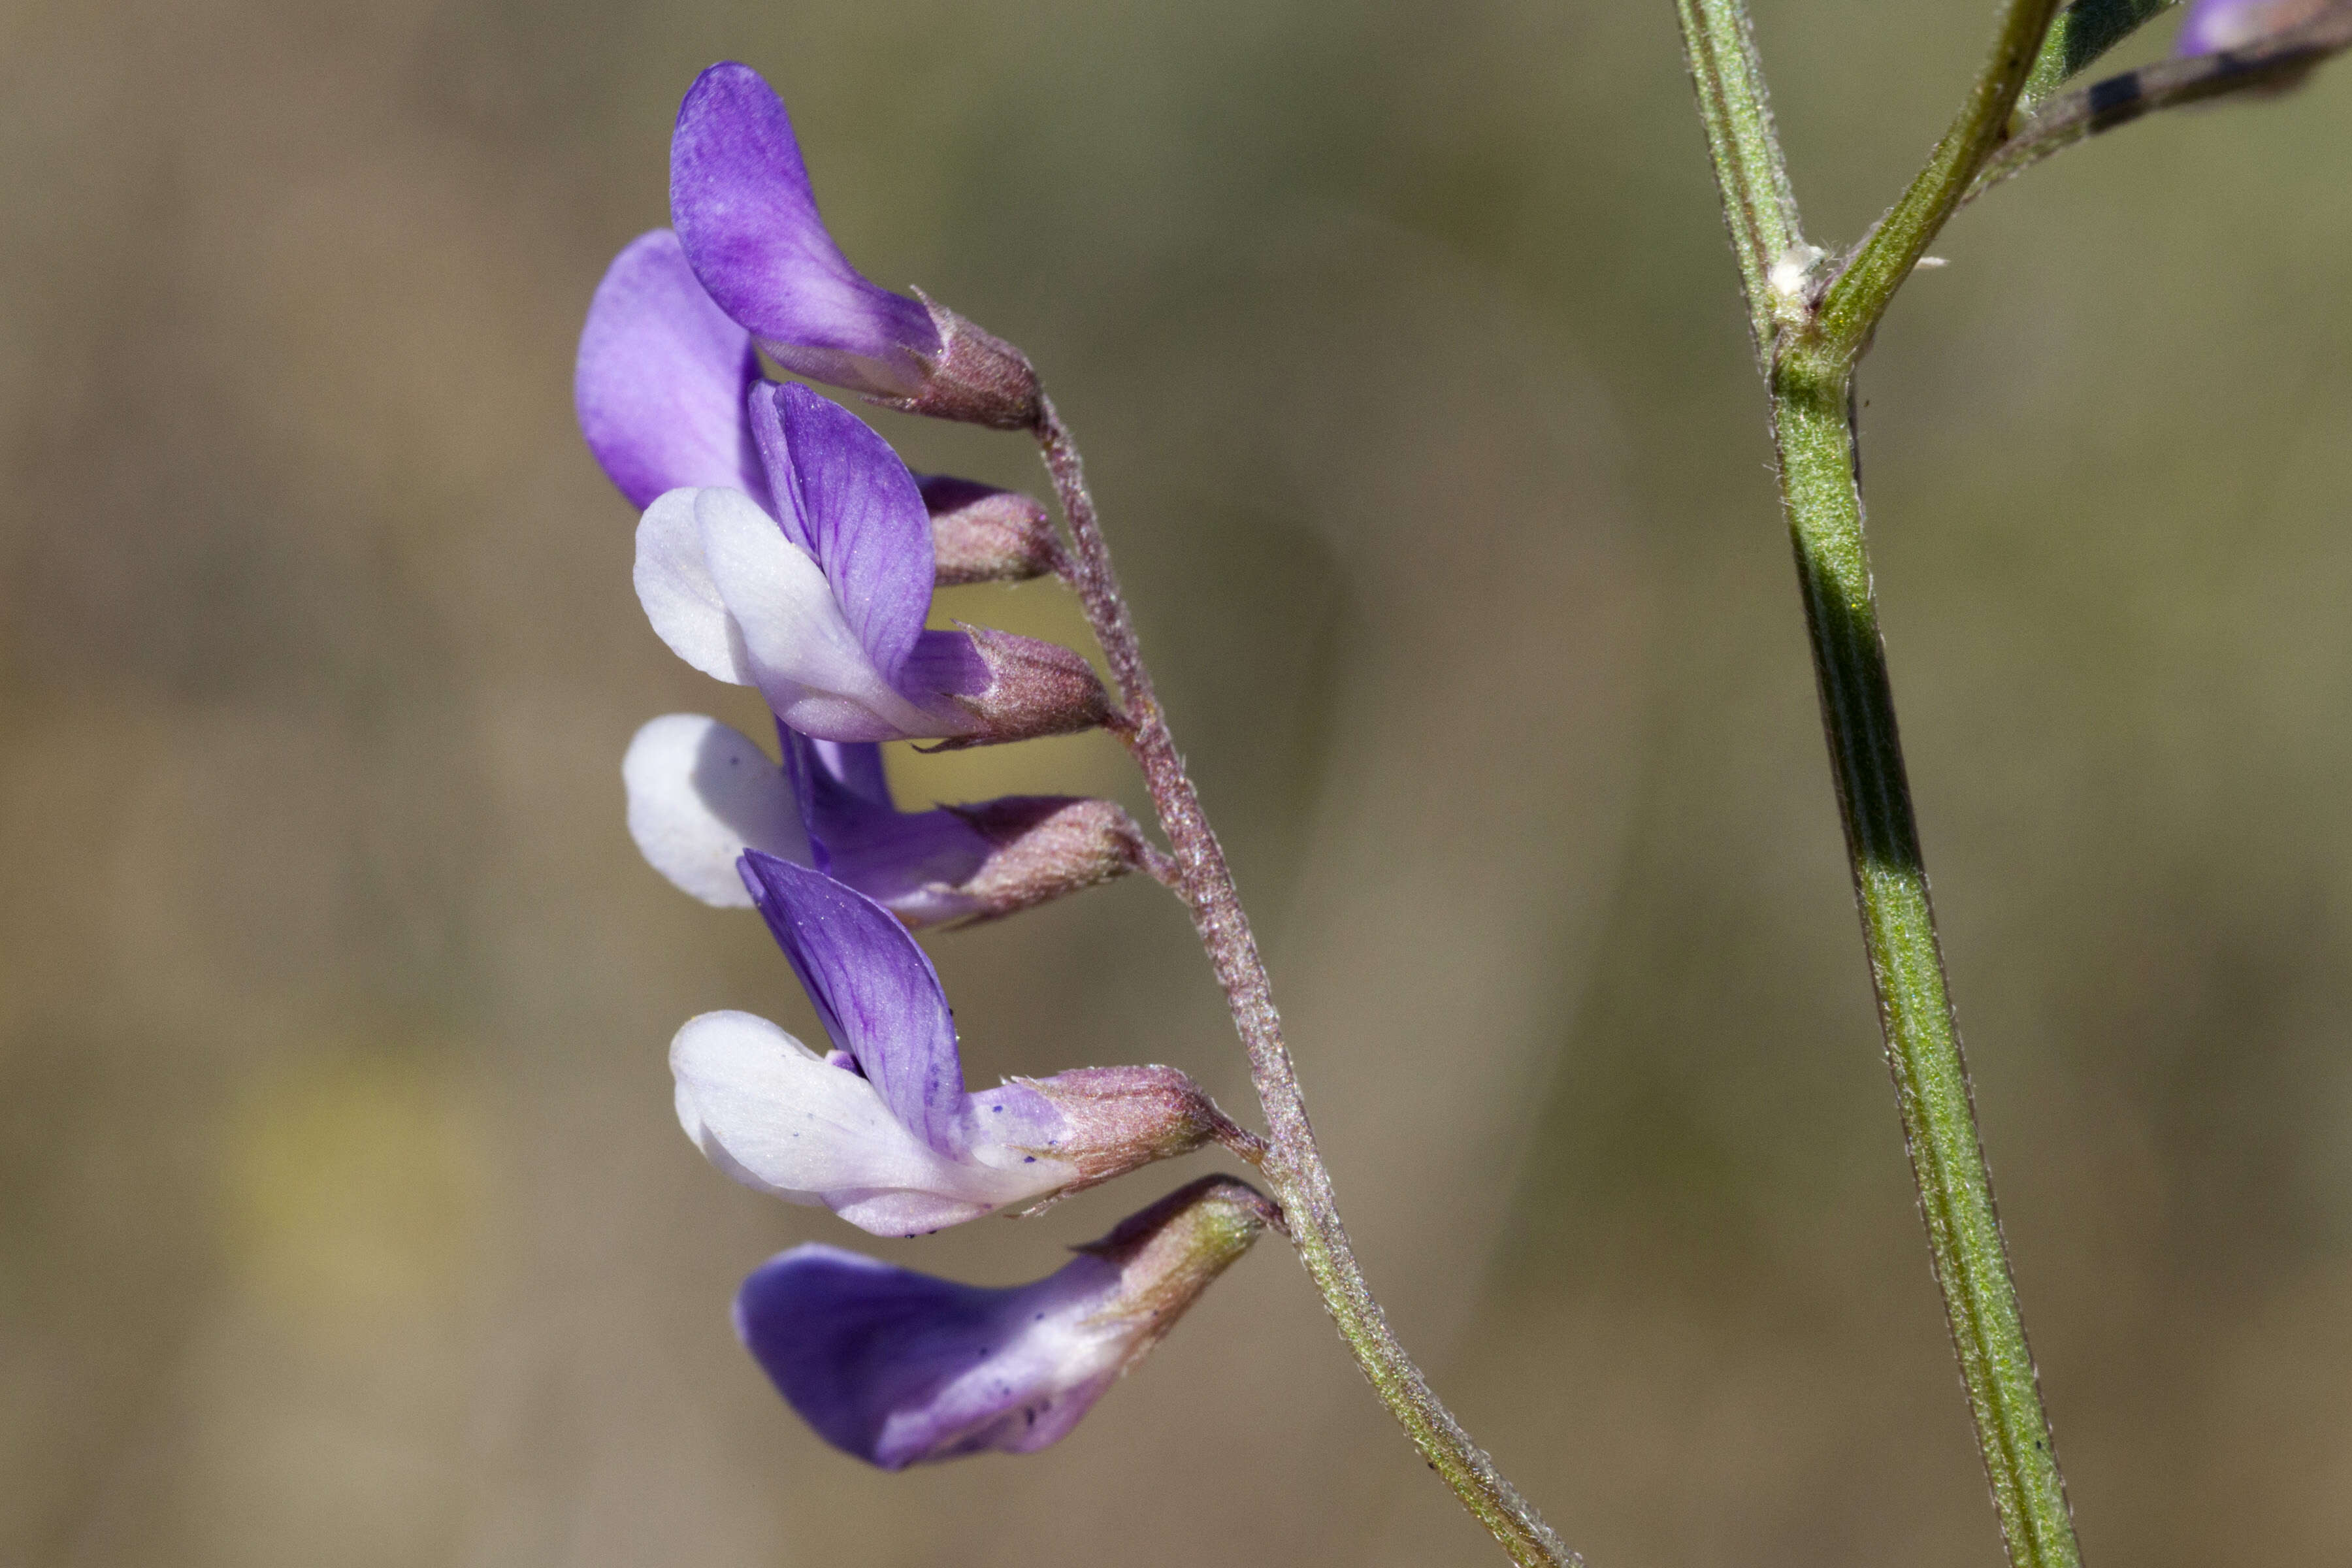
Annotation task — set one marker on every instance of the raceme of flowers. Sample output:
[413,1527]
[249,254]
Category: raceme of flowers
[784,546]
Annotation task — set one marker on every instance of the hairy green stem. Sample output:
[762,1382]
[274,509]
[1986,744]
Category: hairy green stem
[1292,1165]
[1810,377]
[1823,500]
[1850,311]
[1759,207]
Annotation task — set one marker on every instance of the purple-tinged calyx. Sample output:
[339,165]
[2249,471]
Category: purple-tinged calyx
[1027,688]
[898,1368]
[2213,25]
[822,607]
[701,793]
[981,534]
[888,1138]
[951,863]
[1122,1119]
[744,209]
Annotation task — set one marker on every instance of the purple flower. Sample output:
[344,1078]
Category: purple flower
[882,1132]
[701,793]
[2212,26]
[822,607]
[662,388]
[900,1368]
[740,199]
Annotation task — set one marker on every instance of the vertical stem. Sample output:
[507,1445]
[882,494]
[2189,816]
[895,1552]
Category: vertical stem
[1759,207]
[1293,1166]
[1823,499]
[1810,351]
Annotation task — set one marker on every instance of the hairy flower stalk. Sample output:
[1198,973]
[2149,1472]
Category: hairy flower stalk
[1292,1165]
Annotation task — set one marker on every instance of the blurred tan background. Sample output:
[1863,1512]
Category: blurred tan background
[343,1221]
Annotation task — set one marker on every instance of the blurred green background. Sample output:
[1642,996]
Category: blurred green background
[343,1220]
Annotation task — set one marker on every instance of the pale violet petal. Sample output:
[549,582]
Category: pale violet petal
[661,379]
[699,794]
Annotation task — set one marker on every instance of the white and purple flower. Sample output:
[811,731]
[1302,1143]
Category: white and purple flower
[882,1132]
[900,1368]
[701,793]
[822,607]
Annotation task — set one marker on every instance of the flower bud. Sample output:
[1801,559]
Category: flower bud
[974,377]
[1045,845]
[981,534]
[1117,1119]
[1031,688]
[898,1368]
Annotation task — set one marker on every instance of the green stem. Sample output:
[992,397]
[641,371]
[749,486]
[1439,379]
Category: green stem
[1850,311]
[1823,499]
[1759,207]
[1812,352]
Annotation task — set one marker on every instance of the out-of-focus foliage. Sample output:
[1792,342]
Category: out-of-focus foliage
[342,1217]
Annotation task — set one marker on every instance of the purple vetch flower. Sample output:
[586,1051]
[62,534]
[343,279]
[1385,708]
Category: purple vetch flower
[662,388]
[2212,26]
[740,199]
[822,607]
[900,1368]
[882,1132]
[701,793]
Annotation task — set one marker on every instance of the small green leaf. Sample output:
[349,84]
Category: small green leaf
[2083,32]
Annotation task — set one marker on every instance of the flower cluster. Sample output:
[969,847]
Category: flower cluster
[784,546]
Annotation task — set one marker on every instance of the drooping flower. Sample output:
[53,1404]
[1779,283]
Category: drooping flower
[2212,26]
[701,793]
[822,607]
[740,199]
[882,1132]
[900,1368]
[662,388]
